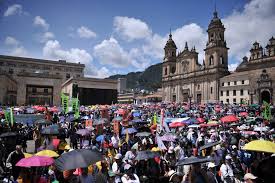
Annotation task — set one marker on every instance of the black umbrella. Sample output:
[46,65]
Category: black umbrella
[51,130]
[193,160]
[79,158]
[208,145]
[142,155]
[143,134]
[8,134]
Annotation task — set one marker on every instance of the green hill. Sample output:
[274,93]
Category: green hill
[150,79]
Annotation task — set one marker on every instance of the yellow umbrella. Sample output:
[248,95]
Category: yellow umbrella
[27,155]
[261,146]
[155,149]
[48,153]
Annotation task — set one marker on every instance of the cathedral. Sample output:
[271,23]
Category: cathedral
[184,79]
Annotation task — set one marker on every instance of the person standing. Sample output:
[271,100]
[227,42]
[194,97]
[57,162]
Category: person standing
[227,175]
[13,158]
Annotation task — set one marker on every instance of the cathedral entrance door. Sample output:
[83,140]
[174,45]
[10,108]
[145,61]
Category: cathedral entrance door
[265,96]
[185,97]
[174,98]
[198,98]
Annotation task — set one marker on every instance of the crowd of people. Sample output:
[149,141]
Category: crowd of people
[163,142]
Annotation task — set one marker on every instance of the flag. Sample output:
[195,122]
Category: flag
[76,112]
[127,136]
[161,144]
[74,104]
[65,102]
[267,111]
[7,116]
[11,116]
[155,119]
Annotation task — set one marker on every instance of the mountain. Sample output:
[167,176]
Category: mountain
[150,79]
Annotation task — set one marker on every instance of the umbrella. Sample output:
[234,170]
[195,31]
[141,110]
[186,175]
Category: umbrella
[208,145]
[100,121]
[209,124]
[83,132]
[28,155]
[261,146]
[48,153]
[100,138]
[176,124]
[138,121]
[194,126]
[190,121]
[259,129]
[79,158]
[168,137]
[143,134]
[50,130]
[35,161]
[254,105]
[8,134]
[142,155]
[229,119]
[136,114]
[193,160]
[118,118]
[243,114]
[200,120]
[155,149]
[130,131]
[249,133]
[43,122]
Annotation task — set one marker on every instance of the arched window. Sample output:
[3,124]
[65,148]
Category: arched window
[173,70]
[165,71]
[173,53]
[211,60]
[221,60]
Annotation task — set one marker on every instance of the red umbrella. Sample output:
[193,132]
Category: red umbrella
[243,113]
[200,120]
[229,119]
[35,161]
[54,109]
[41,108]
[176,124]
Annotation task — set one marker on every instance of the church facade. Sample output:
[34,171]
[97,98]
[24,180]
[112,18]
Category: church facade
[185,79]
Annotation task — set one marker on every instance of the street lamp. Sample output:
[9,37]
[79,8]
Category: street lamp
[251,93]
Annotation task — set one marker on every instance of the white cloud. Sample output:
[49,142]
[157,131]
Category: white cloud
[192,33]
[131,28]
[84,32]
[46,36]
[53,50]
[232,67]
[102,72]
[13,10]
[139,60]
[255,22]
[11,41]
[15,47]
[109,52]
[40,22]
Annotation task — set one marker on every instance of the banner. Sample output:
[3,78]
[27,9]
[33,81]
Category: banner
[7,117]
[65,103]
[267,111]
[76,109]
[11,116]
[116,127]
[74,104]
[89,123]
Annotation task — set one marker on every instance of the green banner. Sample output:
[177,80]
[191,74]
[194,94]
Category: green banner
[76,110]
[7,116]
[65,102]
[267,111]
[11,116]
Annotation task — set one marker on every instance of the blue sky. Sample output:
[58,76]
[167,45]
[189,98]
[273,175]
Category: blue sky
[113,37]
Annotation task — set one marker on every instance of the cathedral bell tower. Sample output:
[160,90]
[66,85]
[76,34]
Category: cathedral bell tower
[216,51]
[169,60]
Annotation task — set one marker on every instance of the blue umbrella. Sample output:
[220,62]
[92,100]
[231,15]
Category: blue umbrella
[51,130]
[136,114]
[100,138]
[138,121]
[130,131]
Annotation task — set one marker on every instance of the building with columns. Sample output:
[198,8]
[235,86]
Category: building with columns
[184,78]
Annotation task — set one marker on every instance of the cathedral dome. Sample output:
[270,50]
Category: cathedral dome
[215,22]
[170,43]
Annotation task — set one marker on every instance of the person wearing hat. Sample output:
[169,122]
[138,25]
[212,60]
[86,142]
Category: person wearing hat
[249,178]
[116,167]
[129,176]
[211,173]
[227,175]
